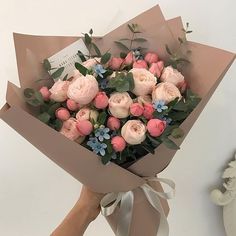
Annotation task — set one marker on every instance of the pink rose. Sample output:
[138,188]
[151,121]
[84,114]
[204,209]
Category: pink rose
[116,63]
[172,75]
[45,93]
[62,114]
[69,129]
[113,123]
[84,127]
[129,59]
[101,100]
[86,113]
[136,109]
[118,143]
[72,105]
[59,91]
[166,92]
[156,127]
[119,104]
[156,68]
[83,89]
[144,99]
[90,63]
[140,64]
[151,57]
[133,132]
[144,81]
[148,111]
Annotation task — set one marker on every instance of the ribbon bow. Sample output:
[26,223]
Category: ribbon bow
[126,200]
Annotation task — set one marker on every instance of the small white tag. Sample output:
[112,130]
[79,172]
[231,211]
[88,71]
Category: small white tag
[67,57]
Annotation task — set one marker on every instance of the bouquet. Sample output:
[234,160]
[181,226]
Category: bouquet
[118,117]
[121,108]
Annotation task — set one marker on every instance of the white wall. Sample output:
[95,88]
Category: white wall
[35,194]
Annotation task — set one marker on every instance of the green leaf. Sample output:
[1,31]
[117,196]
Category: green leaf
[28,92]
[102,118]
[148,148]
[97,50]
[83,70]
[91,31]
[58,124]
[33,102]
[178,116]
[130,79]
[180,106]
[52,109]
[122,46]
[153,140]
[131,28]
[81,55]
[123,55]
[39,97]
[177,133]
[124,39]
[168,50]
[87,39]
[44,117]
[109,146]
[140,40]
[105,58]
[47,65]
[57,73]
[122,87]
[180,60]
[105,159]
[189,32]
[65,77]
[170,144]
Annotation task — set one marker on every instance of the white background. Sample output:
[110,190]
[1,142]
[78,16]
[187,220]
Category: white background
[35,194]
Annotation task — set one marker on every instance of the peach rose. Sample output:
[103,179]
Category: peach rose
[172,75]
[144,99]
[90,63]
[144,81]
[156,68]
[151,57]
[86,113]
[59,91]
[83,89]
[69,129]
[134,132]
[165,91]
[119,104]
[140,64]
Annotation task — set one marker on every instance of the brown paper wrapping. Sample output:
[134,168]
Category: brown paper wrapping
[208,66]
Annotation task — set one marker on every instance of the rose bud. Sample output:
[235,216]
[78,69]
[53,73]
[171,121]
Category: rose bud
[62,114]
[156,127]
[151,57]
[72,105]
[113,123]
[118,143]
[84,127]
[140,64]
[136,109]
[115,63]
[45,93]
[148,111]
[129,59]
[101,100]
[156,68]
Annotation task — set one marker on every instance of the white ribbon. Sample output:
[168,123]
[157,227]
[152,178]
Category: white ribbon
[126,200]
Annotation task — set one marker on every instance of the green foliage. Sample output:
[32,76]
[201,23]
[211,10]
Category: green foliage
[122,82]
[105,58]
[177,133]
[83,70]
[44,117]
[33,97]
[102,118]
[105,159]
[170,144]
[122,46]
[57,73]
[47,65]
[81,55]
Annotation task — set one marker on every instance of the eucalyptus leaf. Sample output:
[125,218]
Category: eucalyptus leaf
[57,73]
[106,159]
[39,97]
[170,144]
[58,124]
[148,148]
[122,46]
[105,58]
[87,39]
[177,133]
[28,92]
[97,50]
[65,77]
[52,109]
[83,70]
[102,118]
[44,117]
[81,55]
[47,65]
[131,28]
[91,31]
[140,40]
[168,50]
[33,102]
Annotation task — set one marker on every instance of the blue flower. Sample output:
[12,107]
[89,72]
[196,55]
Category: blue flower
[92,142]
[113,156]
[167,119]
[103,83]
[160,105]
[102,133]
[99,148]
[99,70]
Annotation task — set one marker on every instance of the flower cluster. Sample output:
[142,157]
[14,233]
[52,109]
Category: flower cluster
[120,108]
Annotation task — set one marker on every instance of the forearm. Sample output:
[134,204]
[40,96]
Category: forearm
[75,223]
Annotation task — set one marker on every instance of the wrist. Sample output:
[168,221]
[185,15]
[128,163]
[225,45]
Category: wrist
[89,213]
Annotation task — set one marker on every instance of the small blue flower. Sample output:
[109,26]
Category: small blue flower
[160,105]
[99,70]
[92,142]
[103,83]
[102,133]
[167,119]
[99,148]
[113,156]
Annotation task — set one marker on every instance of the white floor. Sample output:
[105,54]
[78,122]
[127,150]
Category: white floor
[35,194]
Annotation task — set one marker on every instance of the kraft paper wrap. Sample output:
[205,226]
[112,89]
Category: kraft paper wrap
[207,68]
